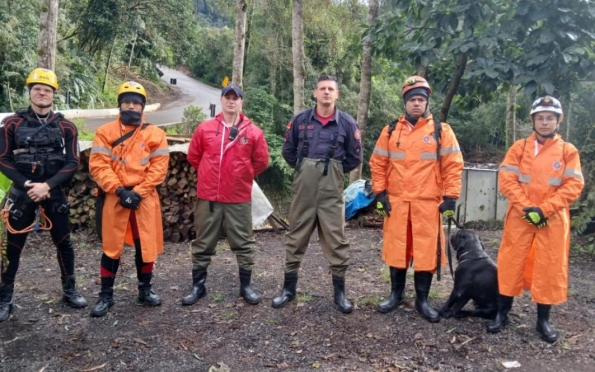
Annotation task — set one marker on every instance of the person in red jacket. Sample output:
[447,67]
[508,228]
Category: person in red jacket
[540,176]
[228,152]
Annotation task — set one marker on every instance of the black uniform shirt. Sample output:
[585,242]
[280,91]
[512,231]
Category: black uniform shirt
[8,144]
[321,138]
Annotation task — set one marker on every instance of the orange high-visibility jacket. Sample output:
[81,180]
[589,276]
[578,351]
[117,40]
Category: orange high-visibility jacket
[141,161]
[548,177]
[407,167]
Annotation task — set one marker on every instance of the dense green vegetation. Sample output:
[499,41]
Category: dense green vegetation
[472,52]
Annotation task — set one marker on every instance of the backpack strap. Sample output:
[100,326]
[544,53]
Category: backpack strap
[127,135]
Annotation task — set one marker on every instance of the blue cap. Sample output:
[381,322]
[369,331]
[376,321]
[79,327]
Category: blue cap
[232,88]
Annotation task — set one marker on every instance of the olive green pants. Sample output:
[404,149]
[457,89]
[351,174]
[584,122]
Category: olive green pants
[238,228]
[317,202]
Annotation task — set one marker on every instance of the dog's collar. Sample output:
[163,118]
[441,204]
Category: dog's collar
[471,259]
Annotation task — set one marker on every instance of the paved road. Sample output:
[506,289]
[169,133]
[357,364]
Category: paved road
[193,93]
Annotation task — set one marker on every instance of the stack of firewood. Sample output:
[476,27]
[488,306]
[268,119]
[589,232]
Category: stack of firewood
[177,194]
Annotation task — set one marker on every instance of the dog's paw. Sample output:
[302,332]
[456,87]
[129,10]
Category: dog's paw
[445,313]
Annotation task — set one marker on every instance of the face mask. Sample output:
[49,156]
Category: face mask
[130,117]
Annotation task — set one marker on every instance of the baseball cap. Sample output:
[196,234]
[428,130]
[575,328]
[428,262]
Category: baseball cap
[232,88]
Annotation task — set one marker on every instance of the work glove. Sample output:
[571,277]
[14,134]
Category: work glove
[447,207]
[534,216]
[128,198]
[382,205]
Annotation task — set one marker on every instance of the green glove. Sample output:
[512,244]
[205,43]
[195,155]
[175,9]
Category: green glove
[447,207]
[382,205]
[534,216]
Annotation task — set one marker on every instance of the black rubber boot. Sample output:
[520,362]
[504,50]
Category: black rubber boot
[198,287]
[106,298]
[246,288]
[288,293]
[146,296]
[397,294]
[6,304]
[543,324]
[343,304]
[423,282]
[501,319]
[70,295]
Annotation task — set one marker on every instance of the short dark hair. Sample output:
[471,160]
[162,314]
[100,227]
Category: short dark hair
[326,77]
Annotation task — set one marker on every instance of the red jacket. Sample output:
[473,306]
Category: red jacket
[227,168]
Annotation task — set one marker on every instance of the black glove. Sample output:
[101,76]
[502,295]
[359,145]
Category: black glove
[382,205]
[447,207]
[534,216]
[128,198]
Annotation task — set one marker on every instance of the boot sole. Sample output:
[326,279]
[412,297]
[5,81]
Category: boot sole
[278,306]
[73,305]
[493,330]
[545,338]
[189,303]
[385,311]
[429,319]
[99,315]
[10,308]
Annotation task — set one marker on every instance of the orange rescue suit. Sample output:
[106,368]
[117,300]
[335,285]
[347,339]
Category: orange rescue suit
[406,166]
[548,177]
[141,162]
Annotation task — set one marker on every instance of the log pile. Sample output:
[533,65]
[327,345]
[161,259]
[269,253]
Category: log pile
[177,195]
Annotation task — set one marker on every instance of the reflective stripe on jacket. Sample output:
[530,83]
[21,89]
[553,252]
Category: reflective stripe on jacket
[140,162]
[407,167]
[548,177]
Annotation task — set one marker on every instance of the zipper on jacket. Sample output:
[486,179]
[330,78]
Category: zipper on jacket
[220,160]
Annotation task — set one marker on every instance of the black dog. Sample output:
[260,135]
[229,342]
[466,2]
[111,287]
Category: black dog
[476,278]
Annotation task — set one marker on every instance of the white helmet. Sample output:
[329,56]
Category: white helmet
[547,103]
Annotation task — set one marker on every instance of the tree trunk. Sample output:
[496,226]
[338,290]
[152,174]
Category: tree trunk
[109,60]
[132,50]
[423,72]
[452,88]
[365,86]
[567,118]
[511,115]
[238,49]
[47,34]
[297,48]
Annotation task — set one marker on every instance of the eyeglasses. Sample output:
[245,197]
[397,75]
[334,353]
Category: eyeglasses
[546,101]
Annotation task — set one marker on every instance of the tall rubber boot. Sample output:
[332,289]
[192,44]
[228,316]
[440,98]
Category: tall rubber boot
[199,276]
[246,288]
[146,296]
[70,295]
[288,293]
[543,324]
[501,319]
[6,305]
[423,282]
[343,304]
[106,298]
[397,294]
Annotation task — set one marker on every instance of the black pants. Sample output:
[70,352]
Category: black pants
[57,212]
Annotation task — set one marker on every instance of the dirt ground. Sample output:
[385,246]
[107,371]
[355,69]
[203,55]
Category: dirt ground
[222,333]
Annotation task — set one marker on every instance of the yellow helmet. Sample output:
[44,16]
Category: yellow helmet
[134,88]
[43,76]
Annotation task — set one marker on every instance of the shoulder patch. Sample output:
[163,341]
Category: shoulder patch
[357,134]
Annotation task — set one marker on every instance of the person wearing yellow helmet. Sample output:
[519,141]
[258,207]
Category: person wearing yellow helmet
[540,176]
[39,153]
[129,159]
[132,98]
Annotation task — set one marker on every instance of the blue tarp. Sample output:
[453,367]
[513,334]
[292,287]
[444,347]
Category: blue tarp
[357,196]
